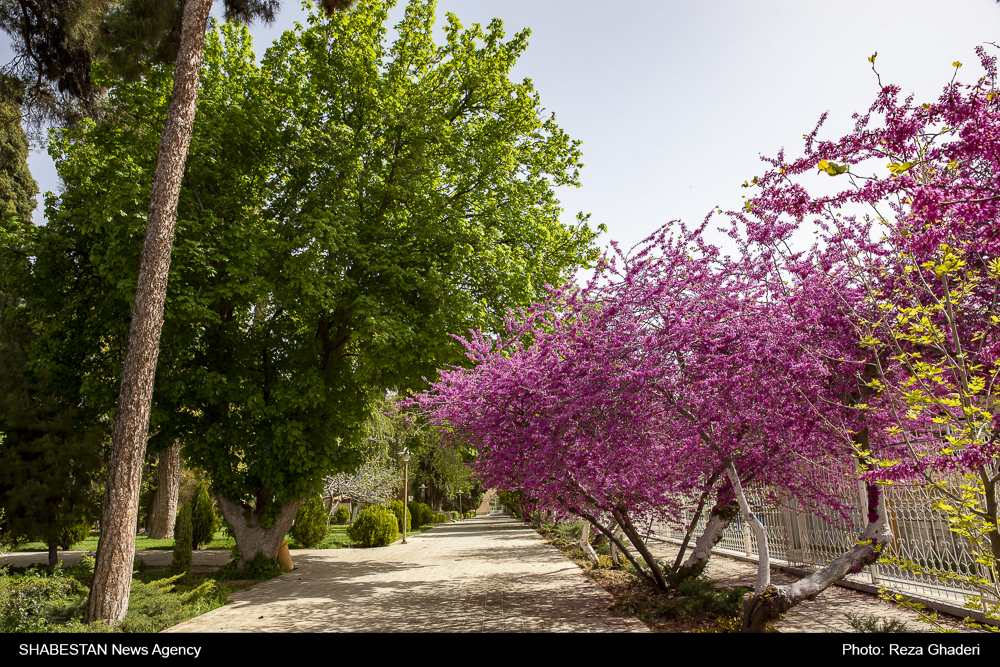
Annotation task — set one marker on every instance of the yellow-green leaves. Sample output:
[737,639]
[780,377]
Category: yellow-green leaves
[898,168]
[832,168]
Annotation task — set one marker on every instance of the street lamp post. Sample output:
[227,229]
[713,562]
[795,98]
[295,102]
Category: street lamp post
[406,493]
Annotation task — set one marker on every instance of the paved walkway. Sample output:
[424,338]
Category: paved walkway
[488,574]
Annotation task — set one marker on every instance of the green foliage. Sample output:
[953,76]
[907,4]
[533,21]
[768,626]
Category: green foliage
[17,187]
[426,514]
[74,533]
[376,527]
[695,597]
[259,568]
[204,520]
[397,508]
[346,206]
[869,623]
[413,507]
[310,527]
[33,600]
[341,516]
[183,541]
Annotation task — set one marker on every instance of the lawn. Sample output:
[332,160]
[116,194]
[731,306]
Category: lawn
[336,538]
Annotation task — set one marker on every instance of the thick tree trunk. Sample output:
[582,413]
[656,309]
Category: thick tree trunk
[116,548]
[53,554]
[168,474]
[251,538]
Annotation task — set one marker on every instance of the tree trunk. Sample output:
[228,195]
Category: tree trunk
[616,557]
[764,556]
[251,538]
[53,554]
[116,548]
[588,550]
[168,474]
[770,602]
[718,520]
[762,608]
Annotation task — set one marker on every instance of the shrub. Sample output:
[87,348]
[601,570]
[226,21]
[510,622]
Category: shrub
[34,600]
[414,507]
[341,516]
[204,520]
[310,526]
[74,532]
[426,514]
[868,623]
[376,527]
[182,541]
[396,507]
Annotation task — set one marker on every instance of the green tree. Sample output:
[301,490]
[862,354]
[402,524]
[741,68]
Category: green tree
[50,455]
[345,208]
[17,187]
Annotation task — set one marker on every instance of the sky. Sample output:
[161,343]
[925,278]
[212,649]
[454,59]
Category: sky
[676,101]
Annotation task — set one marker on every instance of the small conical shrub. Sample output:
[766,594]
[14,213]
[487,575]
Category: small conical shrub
[310,525]
[376,527]
[204,520]
[182,541]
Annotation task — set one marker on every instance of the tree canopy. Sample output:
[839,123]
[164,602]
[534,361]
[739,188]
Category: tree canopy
[346,206]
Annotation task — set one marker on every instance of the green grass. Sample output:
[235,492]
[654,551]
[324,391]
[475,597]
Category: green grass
[336,539]
[142,543]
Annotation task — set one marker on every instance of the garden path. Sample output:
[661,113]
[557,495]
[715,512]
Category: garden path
[488,574]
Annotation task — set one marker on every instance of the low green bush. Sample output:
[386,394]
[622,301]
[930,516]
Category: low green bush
[310,526]
[414,507]
[376,527]
[73,533]
[341,516]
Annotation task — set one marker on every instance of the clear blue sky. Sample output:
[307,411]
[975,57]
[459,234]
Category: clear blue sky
[674,100]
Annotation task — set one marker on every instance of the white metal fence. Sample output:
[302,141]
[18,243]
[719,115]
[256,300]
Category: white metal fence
[798,538]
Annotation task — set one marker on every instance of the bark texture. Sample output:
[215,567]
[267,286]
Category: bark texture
[168,474]
[116,549]
[251,537]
